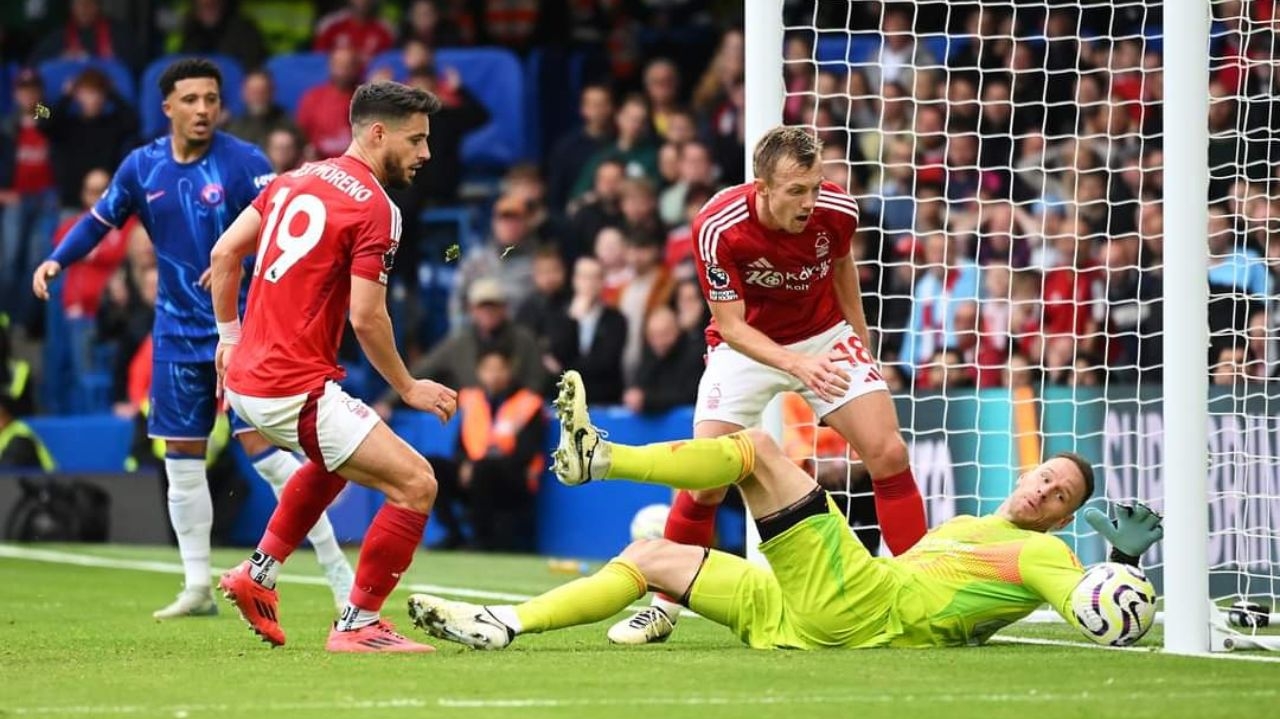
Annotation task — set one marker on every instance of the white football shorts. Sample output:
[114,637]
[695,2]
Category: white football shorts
[327,424]
[736,388]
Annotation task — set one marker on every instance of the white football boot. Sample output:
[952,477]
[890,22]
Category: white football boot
[191,602]
[650,625]
[472,625]
[582,455]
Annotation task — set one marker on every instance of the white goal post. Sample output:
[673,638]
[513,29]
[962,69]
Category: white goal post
[919,97]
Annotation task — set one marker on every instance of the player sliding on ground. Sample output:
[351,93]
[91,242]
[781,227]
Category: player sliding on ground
[776,266]
[958,585]
[326,236]
[187,187]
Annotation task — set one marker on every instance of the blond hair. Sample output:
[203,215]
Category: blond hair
[784,141]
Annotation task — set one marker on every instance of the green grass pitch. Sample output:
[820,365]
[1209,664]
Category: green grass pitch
[79,641]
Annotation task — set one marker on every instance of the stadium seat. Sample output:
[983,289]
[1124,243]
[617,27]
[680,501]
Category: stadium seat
[495,77]
[294,74]
[58,73]
[8,74]
[853,48]
[154,123]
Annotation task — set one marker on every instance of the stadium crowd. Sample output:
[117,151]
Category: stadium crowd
[1007,159]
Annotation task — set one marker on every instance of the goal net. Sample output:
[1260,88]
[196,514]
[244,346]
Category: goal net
[1009,163]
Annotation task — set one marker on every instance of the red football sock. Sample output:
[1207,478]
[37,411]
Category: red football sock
[306,495]
[690,522]
[387,551]
[900,509]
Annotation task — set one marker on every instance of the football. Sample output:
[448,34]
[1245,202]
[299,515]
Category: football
[1114,604]
[649,522]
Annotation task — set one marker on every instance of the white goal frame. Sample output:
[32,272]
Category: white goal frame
[1186,370]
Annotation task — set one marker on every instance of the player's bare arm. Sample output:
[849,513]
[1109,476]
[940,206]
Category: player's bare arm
[224,281]
[849,297]
[372,325]
[820,374]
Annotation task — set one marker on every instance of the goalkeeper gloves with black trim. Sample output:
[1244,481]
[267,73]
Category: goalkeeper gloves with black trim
[1135,528]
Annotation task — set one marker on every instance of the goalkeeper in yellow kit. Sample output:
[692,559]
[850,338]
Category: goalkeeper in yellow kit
[962,582]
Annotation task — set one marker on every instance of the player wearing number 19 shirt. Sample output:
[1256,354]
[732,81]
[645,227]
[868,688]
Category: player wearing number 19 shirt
[325,236]
[774,260]
[187,187]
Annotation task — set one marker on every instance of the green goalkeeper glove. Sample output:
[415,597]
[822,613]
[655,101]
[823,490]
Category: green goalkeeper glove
[1133,532]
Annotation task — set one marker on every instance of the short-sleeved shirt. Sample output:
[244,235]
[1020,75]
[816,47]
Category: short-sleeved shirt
[185,208]
[321,224]
[784,279]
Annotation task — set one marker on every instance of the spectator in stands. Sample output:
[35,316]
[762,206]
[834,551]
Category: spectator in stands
[85,281]
[322,112]
[1020,374]
[682,126]
[595,210]
[728,134]
[1132,317]
[572,151]
[633,147]
[670,366]
[945,282]
[996,126]
[356,27]
[668,164]
[218,27]
[1228,369]
[453,361]
[692,313]
[639,205]
[723,74]
[500,455]
[649,288]
[90,34]
[91,126]
[662,90]
[1263,354]
[284,149]
[20,446]
[1234,267]
[17,386]
[523,180]
[835,166]
[696,168]
[424,23]
[550,296]
[611,253]
[505,256]
[900,55]
[29,202]
[261,113]
[590,336]
[460,113]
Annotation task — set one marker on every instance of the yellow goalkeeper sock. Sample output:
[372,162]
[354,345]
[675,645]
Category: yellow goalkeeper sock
[690,464]
[586,600]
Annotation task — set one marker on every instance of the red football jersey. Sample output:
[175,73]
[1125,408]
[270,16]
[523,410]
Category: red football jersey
[322,223]
[784,279]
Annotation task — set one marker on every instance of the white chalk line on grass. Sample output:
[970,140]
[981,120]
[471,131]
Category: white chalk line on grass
[11,551]
[180,711]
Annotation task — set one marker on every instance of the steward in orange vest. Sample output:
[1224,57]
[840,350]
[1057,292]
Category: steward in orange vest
[500,455]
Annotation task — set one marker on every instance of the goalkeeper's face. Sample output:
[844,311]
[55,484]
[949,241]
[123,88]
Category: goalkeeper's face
[790,194]
[1046,498]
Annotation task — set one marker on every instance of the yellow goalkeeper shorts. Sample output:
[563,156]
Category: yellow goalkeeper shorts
[825,590]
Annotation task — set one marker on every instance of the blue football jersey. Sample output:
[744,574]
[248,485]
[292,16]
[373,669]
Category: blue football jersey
[185,208]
